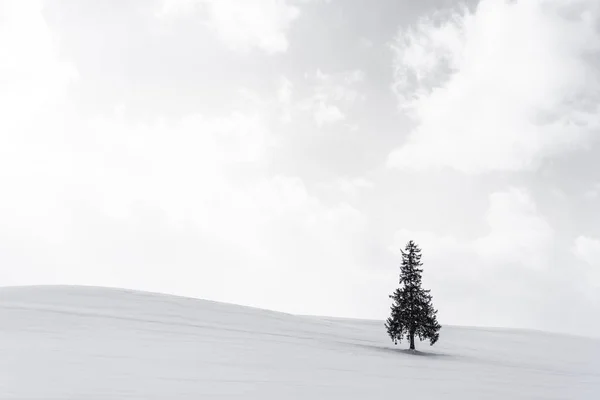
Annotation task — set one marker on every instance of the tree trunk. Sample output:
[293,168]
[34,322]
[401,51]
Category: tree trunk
[412,340]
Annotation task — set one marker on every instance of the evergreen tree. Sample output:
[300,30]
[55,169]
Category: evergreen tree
[412,311]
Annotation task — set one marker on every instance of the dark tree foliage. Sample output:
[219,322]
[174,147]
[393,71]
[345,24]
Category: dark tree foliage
[412,311]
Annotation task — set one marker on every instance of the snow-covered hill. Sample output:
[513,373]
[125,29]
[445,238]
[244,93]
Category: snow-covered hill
[97,343]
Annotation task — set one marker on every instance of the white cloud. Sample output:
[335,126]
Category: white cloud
[176,8]
[33,77]
[518,234]
[284,95]
[433,243]
[333,94]
[327,114]
[500,88]
[366,43]
[241,24]
[593,192]
[340,86]
[588,250]
[179,166]
[352,187]
[35,84]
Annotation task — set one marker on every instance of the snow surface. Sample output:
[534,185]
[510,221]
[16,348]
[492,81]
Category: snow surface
[97,343]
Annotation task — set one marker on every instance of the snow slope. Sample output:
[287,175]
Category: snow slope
[96,343]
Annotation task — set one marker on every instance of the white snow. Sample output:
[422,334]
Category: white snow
[96,343]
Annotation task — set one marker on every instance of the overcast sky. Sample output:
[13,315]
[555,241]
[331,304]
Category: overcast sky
[279,153]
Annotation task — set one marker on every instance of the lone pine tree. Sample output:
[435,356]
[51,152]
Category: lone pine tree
[412,311]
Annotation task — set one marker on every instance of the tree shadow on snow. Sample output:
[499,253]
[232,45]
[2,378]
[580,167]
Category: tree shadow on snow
[420,353]
[415,353]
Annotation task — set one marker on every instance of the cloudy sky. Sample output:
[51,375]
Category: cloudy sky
[279,153]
